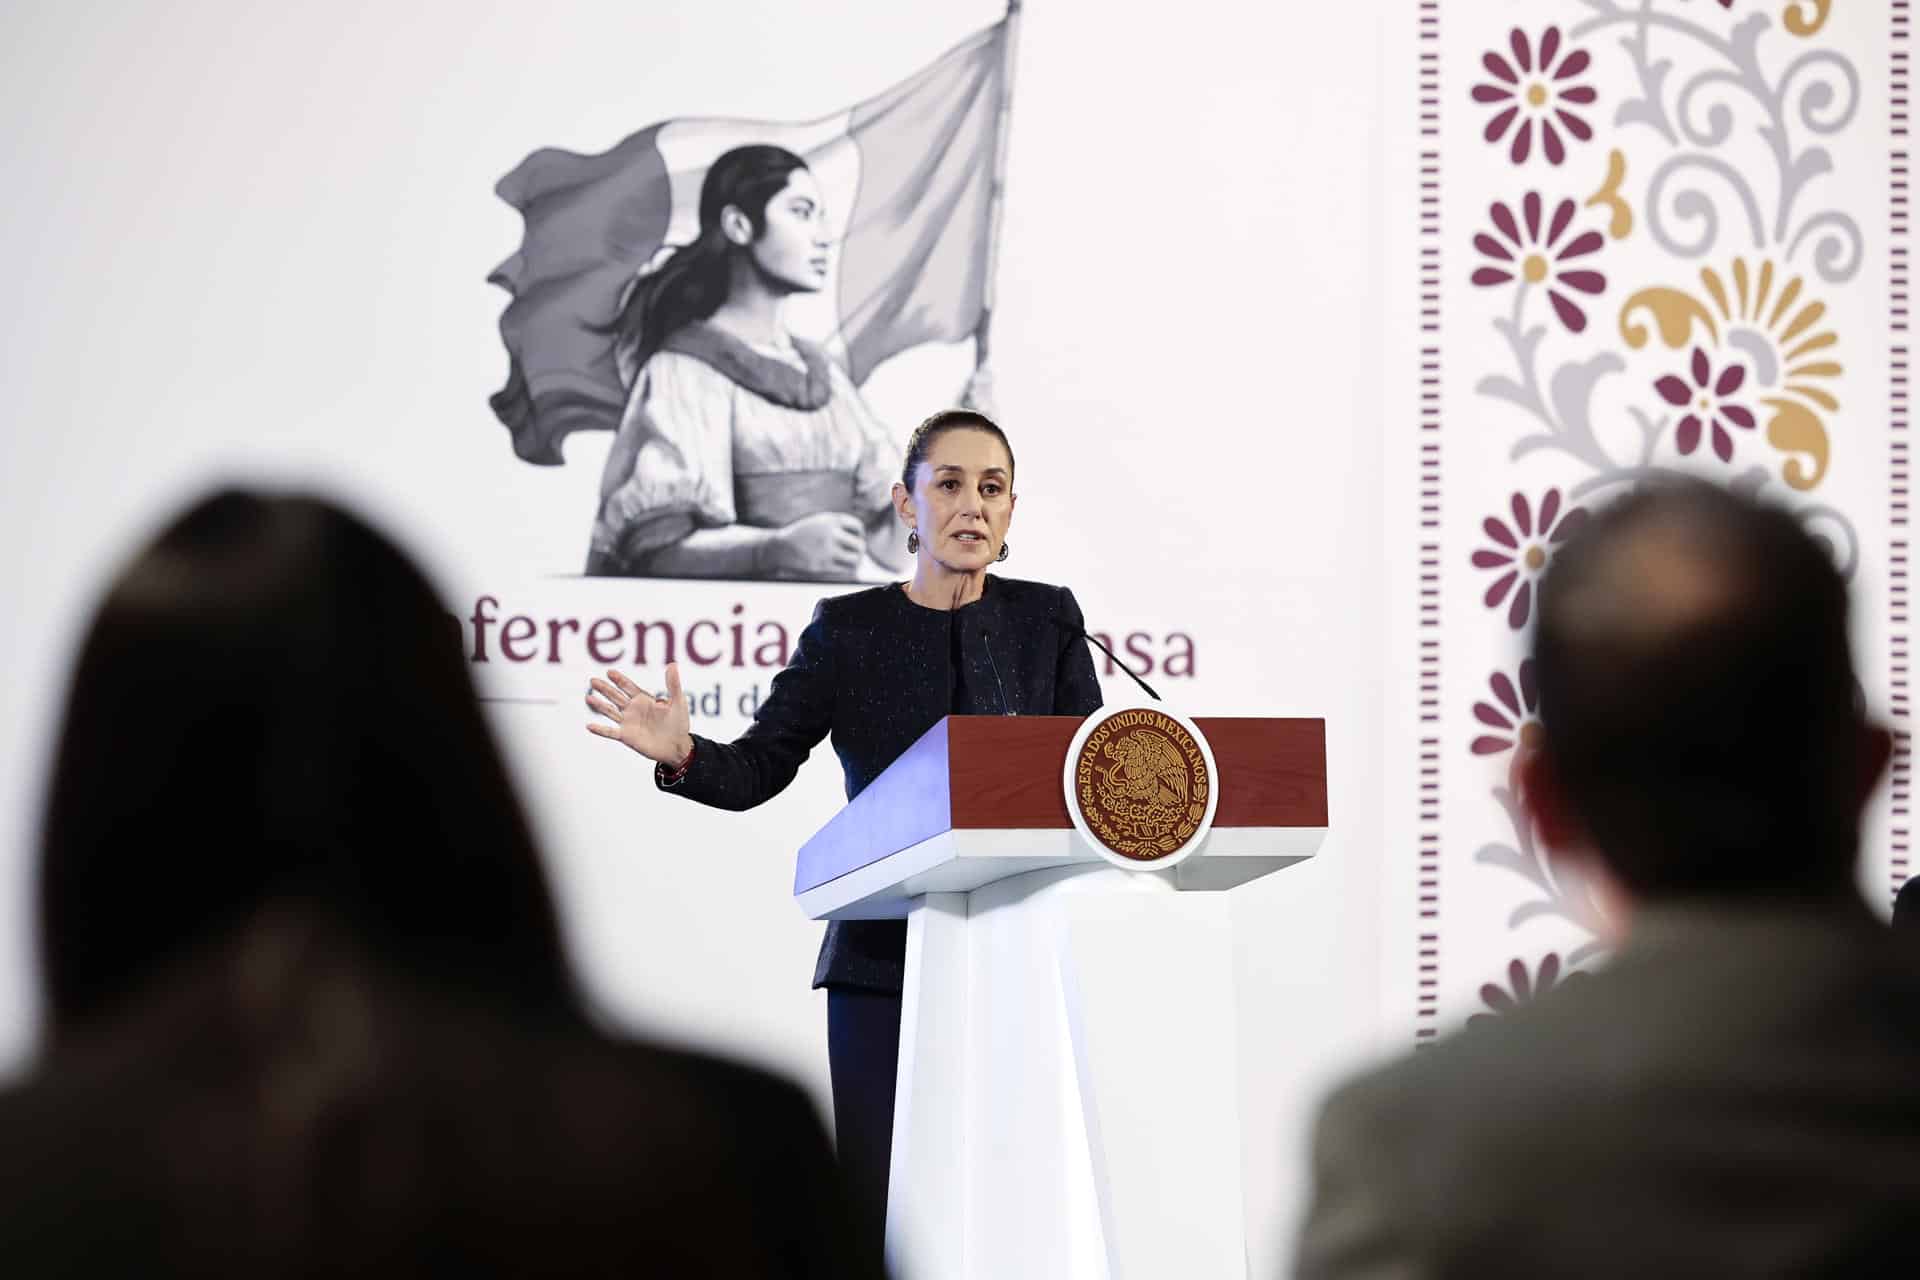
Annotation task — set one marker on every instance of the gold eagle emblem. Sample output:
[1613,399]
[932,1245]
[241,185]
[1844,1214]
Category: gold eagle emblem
[1147,769]
[1140,783]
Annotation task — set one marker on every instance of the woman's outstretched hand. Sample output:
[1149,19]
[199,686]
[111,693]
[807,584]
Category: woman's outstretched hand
[655,725]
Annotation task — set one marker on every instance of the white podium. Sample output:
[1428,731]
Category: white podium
[1068,1096]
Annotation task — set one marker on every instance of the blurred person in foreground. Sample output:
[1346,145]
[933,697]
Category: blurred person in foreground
[1906,907]
[310,1011]
[1738,1092]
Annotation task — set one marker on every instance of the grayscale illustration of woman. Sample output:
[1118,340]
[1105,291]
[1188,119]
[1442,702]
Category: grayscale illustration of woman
[743,450]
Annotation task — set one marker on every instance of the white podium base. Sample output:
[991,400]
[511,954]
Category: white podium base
[1068,1101]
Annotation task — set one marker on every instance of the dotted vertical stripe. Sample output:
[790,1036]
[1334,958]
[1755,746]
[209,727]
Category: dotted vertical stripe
[1898,489]
[1427,974]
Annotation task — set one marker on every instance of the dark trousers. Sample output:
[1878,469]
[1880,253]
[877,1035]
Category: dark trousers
[863,1055]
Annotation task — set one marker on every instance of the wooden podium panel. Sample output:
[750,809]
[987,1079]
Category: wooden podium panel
[978,798]
[1004,771]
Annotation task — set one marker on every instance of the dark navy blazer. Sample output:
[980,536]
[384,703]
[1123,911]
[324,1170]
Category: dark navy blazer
[876,671]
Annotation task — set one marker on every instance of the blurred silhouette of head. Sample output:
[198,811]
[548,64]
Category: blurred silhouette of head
[1702,732]
[1906,907]
[270,708]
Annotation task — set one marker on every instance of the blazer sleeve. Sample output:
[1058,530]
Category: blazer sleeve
[796,714]
[1076,689]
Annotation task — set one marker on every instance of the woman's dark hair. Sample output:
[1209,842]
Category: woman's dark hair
[270,708]
[692,283]
[920,443]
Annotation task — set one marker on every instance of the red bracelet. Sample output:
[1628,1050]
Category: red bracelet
[673,777]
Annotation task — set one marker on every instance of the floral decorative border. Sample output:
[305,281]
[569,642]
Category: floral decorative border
[1738,376]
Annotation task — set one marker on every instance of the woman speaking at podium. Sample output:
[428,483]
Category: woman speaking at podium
[876,669]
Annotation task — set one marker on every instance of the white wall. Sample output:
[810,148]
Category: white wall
[252,241]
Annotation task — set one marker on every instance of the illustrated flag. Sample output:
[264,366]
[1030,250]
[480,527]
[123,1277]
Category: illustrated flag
[907,177]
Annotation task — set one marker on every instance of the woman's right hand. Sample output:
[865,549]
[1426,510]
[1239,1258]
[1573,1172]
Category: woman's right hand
[654,725]
[827,544]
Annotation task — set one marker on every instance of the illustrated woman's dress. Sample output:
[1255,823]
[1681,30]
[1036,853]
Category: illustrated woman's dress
[734,434]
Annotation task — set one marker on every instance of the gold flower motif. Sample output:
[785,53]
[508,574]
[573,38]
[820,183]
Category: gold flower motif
[1620,213]
[1783,342]
[1794,18]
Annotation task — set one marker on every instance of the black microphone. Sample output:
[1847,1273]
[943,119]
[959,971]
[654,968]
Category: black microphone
[1005,710]
[958,623]
[1081,633]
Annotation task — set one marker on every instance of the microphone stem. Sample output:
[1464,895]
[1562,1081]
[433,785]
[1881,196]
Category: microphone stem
[1134,675]
[1005,709]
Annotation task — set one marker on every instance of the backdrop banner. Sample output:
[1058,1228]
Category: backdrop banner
[1629,240]
[452,267]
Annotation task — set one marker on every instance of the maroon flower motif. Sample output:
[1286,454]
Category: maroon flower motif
[1532,90]
[1522,550]
[1706,399]
[1529,252]
[1524,988]
[1514,714]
